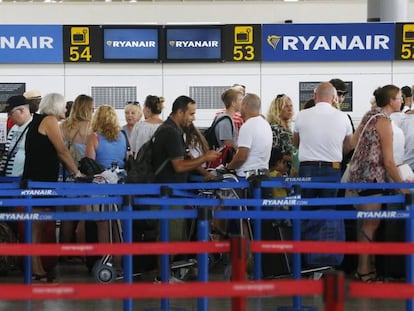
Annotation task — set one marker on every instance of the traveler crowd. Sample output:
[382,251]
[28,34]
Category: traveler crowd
[42,143]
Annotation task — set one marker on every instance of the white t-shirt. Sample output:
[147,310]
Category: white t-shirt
[398,141]
[15,164]
[141,133]
[407,126]
[256,135]
[322,130]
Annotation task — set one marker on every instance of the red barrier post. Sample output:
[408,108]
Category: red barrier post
[238,271]
[334,291]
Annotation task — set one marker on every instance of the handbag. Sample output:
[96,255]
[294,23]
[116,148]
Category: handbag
[89,166]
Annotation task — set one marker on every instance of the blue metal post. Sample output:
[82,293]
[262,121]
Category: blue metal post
[203,229]
[257,233]
[127,258]
[28,240]
[409,237]
[165,258]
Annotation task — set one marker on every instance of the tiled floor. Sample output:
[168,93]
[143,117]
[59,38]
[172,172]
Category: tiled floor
[74,273]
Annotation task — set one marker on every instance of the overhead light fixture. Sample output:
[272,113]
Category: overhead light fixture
[291,0]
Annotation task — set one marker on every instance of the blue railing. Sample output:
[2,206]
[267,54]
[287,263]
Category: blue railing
[64,194]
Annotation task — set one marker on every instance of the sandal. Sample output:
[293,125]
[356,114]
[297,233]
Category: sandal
[45,278]
[369,277]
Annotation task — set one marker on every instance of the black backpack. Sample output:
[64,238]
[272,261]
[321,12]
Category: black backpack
[141,169]
[210,133]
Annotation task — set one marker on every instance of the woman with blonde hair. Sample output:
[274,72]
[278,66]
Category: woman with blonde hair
[75,130]
[133,114]
[280,116]
[108,146]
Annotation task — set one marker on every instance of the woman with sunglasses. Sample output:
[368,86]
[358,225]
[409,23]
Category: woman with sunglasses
[280,116]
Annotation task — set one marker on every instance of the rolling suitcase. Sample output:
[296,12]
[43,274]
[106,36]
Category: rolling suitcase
[276,265]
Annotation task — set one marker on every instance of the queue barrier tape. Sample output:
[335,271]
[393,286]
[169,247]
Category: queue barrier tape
[158,248]
[162,290]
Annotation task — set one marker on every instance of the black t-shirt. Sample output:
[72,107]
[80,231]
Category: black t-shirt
[169,144]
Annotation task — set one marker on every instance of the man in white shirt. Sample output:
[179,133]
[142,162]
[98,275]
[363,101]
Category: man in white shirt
[323,134]
[255,139]
[12,162]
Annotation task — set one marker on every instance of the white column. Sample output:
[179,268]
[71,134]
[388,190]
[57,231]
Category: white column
[387,10]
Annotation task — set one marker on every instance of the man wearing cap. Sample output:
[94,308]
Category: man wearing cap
[12,162]
[33,98]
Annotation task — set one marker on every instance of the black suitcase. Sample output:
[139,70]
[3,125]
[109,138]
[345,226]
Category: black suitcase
[277,264]
[144,231]
[391,266]
[91,236]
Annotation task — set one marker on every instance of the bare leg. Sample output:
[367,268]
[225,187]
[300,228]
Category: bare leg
[37,267]
[366,234]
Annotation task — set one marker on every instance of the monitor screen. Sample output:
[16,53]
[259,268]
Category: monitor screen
[131,44]
[193,44]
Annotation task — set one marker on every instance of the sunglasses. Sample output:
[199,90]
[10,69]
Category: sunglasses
[341,93]
[136,103]
[280,96]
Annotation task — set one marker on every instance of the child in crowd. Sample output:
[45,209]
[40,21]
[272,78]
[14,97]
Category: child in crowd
[279,167]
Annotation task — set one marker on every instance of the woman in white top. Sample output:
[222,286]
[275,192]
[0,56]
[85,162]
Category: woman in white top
[144,130]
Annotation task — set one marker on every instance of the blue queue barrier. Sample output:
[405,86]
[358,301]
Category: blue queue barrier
[56,193]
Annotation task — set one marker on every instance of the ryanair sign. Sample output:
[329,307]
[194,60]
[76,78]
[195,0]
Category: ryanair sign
[328,42]
[193,44]
[31,44]
[130,44]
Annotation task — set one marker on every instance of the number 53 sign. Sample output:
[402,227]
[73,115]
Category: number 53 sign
[242,43]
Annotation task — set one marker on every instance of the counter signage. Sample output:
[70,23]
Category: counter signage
[30,44]
[131,44]
[307,90]
[82,44]
[243,43]
[193,43]
[404,41]
[328,42]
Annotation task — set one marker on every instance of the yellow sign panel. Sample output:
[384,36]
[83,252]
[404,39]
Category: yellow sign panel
[79,36]
[408,33]
[243,35]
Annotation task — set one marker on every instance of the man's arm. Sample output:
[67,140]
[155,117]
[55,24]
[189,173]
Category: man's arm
[239,158]
[185,165]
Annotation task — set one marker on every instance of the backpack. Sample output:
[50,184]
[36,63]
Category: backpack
[227,153]
[141,169]
[210,133]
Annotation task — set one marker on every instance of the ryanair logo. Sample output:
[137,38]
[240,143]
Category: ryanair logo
[23,42]
[131,44]
[38,192]
[382,214]
[193,44]
[330,43]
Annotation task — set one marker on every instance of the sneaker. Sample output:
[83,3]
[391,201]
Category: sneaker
[173,279]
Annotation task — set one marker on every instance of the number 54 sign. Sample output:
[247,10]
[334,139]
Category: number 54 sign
[243,43]
[82,44]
